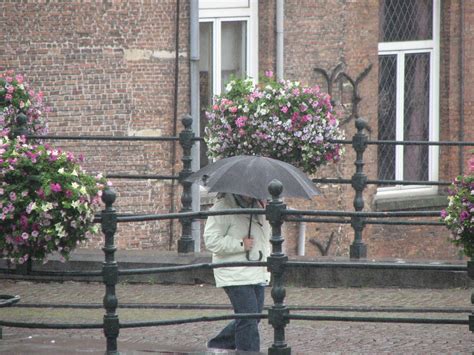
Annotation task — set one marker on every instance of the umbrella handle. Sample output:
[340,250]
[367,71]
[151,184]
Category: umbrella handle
[247,253]
[260,255]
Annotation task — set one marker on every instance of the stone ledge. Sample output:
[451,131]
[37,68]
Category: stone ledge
[410,203]
[329,275]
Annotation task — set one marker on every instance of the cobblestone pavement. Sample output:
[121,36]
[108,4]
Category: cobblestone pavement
[304,337]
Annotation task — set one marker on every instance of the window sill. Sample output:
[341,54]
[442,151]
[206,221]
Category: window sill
[428,202]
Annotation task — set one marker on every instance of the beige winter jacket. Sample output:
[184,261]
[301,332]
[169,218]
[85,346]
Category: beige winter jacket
[223,237]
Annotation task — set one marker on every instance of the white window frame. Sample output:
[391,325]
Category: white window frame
[217,12]
[400,49]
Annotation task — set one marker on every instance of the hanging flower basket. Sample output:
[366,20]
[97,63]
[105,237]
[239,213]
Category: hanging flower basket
[281,120]
[47,202]
[459,215]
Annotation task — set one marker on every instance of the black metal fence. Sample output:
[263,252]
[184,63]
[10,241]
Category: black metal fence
[276,212]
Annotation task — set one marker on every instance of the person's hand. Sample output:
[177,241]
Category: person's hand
[248,243]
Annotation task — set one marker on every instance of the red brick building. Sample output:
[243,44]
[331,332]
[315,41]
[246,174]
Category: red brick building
[123,68]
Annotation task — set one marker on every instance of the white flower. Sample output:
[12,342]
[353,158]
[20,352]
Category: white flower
[47,207]
[61,171]
[60,230]
[31,207]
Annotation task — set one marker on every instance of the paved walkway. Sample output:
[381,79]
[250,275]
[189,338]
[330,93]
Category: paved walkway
[304,337]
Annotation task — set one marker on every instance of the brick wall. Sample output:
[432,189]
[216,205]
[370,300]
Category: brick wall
[107,68]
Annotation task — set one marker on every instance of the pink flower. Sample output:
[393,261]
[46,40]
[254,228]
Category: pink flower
[8,79]
[329,156]
[12,196]
[8,97]
[464,215]
[306,118]
[284,109]
[233,109]
[32,156]
[240,121]
[55,187]
[24,221]
[268,73]
[10,89]
[19,78]
[40,193]
[53,156]
[294,117]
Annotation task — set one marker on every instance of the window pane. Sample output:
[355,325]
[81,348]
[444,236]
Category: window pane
[387,115]
[416,115]
[205,79]
[405,20]
[234,50]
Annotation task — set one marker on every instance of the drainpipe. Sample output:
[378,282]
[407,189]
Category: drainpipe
[175,125]
[280,30]
[280,14]
[194,92]
[301,238]
[461,91]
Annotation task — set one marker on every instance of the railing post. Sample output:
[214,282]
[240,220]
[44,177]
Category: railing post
[26,268]
[358,249]
[470,273]
[110,272]
[186,243]
[278,314]
[19,128]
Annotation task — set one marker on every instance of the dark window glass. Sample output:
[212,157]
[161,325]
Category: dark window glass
[416,115]
[387,115]
[405,20]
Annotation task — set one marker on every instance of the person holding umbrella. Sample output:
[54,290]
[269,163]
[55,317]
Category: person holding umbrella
[243,182]
[239,238]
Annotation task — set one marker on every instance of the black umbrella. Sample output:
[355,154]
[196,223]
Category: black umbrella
[250,176]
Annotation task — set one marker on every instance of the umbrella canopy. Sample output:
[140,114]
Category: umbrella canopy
[250,175]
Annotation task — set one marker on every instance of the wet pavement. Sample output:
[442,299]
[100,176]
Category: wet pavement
[40,303]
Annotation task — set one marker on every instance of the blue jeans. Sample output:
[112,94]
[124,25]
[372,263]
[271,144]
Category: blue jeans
[241,334]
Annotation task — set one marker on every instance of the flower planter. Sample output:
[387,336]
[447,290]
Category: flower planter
[48,202]
[281,120]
